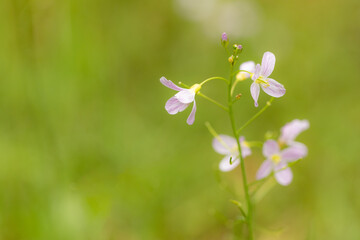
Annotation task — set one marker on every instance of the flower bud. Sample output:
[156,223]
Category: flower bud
[237,49]
[224,40]
[231,59]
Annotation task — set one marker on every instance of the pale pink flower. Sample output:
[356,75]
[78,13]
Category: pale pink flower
[227,146]
[276,159]
[181,100]
[261,79]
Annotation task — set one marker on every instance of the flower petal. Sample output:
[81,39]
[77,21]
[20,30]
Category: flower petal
[185,96]
[248,66]
[267,64]
[191,117]
[223,144]
[170,84]
[225,165]
[255,90]
[245,149]
[294,152]
[265,169]
[284,177]
[274,89]
[292,129]
[173,106]
[270,148]
[257,72]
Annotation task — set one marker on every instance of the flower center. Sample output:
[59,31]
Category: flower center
[276,158]
[262,81]
[196,88]
[245,144]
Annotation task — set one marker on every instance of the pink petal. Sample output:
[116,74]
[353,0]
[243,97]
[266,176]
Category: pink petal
[245,150]
[257,72]
[274,89]
[292,129]
[191,117]
[284,177]
[267,64]
[265,169]
[270,148]
[225,165]
[185,96]
[173,106]
[170,84]
[248,66]
[230,143]
[255,90]
[294,152]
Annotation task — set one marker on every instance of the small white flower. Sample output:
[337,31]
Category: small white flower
[227,146]
[181,100]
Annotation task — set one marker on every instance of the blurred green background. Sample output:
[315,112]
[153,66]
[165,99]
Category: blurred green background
[89,152]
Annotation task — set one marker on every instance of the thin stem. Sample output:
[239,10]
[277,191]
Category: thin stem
[213,101]
[236,72]
[268,103]
[242,163]
[206,97]
[213,78]
[216,135]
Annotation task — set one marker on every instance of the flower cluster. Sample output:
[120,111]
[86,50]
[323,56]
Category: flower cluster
[279,153]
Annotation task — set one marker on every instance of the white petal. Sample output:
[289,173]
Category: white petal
[191,117]
[223,144]
[170,84]
[267,64]
[248,66]
[274,88]
[257,72]
[292,129]
[173,106]
[225,165]
[265,169]
[270,148]
[284,177]
[294,152]
[185,96]
[255,91]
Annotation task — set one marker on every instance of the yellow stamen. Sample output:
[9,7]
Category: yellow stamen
[276,158]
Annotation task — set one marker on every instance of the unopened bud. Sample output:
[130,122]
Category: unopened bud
[231,59]
[238,96]
[237,49]
[224,40]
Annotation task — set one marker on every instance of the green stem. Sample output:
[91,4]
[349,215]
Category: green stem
[213,101]
[206,97]
[242,163]
[213,78]
[268,103]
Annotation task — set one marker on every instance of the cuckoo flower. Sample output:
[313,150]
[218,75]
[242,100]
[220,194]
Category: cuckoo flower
[277,161]
[261,79]
[227,146]
[181,100]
